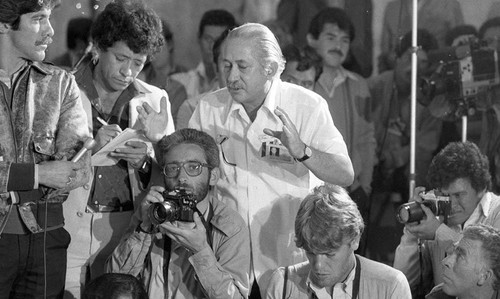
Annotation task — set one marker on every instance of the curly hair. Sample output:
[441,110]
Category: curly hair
[459,160]
[12,10]
[490,239]
[331,15]
[190,136]
[326,219]
[129,21]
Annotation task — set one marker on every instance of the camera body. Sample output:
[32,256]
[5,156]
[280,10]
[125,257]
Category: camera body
[177,205]
[463,73]
[413,212]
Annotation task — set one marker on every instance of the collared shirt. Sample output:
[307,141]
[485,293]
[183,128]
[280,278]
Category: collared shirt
[196,81]
[376,281]
[111,184]
[267,192]
[217,272]
[341,290]
[407,259]
[349,102]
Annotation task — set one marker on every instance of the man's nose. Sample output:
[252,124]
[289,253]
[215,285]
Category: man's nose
[318,260]
[232,74]
[49,30]
[126,69]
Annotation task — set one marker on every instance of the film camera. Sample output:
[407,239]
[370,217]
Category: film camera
[412,211]
[178,205]
[462,73]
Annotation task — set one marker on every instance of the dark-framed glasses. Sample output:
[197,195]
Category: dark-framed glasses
[192,168]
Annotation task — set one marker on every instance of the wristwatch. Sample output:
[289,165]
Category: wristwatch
[307,154]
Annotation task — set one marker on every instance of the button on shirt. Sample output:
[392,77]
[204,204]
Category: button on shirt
[267,193]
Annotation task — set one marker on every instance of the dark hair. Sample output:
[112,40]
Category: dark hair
[12,10]
[217,45]
[114,285]
[216,17]
[190,136]
[326,219]
[78,29]
[458,31]
[425,40]
[131,22]
[459,160]
[490,23]
[490,238]
[306,59]
[331,15]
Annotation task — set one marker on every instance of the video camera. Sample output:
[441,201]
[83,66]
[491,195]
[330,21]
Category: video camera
[462,73]
[178,205]
[413,212]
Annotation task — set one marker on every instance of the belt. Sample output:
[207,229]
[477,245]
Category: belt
[108,209]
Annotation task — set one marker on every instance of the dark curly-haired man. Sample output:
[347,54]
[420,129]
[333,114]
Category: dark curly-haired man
[459,171]
[124,35]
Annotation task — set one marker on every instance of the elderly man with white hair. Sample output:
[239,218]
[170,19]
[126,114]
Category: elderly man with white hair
[277,141]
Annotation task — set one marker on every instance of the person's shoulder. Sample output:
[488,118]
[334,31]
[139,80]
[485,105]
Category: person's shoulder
[51,69]
[217,98]
[306,96]
[226,219]
[377,271]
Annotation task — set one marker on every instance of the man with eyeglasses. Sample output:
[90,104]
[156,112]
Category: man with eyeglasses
[206,258]
[459,171]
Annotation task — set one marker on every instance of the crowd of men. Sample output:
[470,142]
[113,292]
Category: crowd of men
[250,176]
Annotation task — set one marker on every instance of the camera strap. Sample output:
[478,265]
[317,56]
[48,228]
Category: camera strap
[207,225]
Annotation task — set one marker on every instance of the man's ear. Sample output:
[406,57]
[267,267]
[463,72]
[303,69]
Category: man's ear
[4,28]
[355,243]
[214,176]
[271,69]
[485,276]
[311,41]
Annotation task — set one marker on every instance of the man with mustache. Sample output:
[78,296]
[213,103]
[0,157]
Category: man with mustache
[207,257]
[42,127]
[461,172]
[330,34]
[255,115]
[124,35]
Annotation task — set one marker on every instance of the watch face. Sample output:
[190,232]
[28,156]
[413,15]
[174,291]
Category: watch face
[308,151]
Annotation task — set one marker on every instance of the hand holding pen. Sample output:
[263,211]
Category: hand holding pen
[106,133]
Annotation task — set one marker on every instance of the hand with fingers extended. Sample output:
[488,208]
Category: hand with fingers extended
[289,136]
[136,153]
[105,135]
[154,123]
[191,235]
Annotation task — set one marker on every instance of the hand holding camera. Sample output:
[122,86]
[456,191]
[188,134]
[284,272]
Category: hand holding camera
[174,213]
[419,215]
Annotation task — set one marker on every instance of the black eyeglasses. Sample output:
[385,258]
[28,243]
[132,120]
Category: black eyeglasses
[221,140]
[192,168]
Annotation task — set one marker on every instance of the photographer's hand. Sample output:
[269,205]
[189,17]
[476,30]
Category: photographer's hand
[427,227]
[154,195]
[192,236]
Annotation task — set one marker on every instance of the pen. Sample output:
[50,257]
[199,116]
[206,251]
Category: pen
[102,121]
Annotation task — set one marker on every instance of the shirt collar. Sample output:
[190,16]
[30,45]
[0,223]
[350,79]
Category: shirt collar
[345,285]
[341,77]
[272,100]
[482,210]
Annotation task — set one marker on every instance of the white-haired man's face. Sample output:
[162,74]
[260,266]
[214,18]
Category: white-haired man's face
[247,80]
[464,269]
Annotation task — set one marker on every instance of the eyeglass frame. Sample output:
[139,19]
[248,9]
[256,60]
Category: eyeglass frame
[221,141]
[182,165]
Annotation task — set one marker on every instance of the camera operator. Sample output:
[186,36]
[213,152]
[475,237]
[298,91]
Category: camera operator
[207,258]
[459,171]
[472,269]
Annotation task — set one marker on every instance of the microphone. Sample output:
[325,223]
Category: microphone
[88,145]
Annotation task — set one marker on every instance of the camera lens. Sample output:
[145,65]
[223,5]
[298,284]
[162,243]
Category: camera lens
[410,212]
[161,212]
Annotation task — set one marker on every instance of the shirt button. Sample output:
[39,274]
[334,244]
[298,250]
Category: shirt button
[86,186]
[33,228]
[79,214]
[99,176]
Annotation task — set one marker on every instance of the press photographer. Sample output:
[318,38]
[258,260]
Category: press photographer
[460,172]
[185,242]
